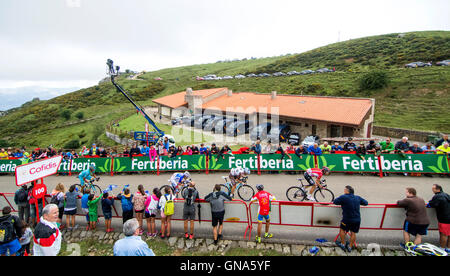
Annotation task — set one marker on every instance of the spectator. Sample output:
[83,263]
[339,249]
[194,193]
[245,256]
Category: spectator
[214,149]
[161,150]
[25,240]
[371,148]
[203,149]
[361,151]
[70,208]
[85,206]
[127,205]
[351,217]
[167,209]
[441,141]
[349,145]
[195,149]
[180,150]
[132,244]
[21,200]
[415,148]
[94,150]
[139,205]
[301,150]
[264,198]
[325,148]
[11,231]
[190,195]
[93,211]
[166,143]
[443,149]
[225,150]
[84,151]
[3,154]
[145,150]
[47,237]
[102,152]
[387,146]
[429,148]
[107,204]
[58,199]
[417,220]
[217,200]
[257,147]
[336,147]
[402,146]
[151,208]
[18,154]
[268,149]
[290,148]
[172,152]
[134,151]
[282,152]
[44,154]
[152,152]
[315,150]
[441,202]
[126,152]
[51,151]
[188,150]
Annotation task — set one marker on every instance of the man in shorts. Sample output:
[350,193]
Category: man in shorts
[264,200]
[351,217]
[10,233]
[417,221]
[441,202]
[217,200]
[190,195]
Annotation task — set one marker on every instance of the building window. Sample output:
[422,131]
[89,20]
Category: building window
[306,125]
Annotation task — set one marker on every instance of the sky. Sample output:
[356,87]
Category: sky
[63,45]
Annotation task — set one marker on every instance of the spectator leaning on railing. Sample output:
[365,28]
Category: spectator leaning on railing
[429,148]
[387,146]
[349,145]
[415,148]
[301,150]
[441,202]
[325,148]
[443,149]
[441,141]
[336,147]
[402,146]
[3,154]
[315,149]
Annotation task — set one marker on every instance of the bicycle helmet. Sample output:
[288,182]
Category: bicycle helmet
[409,247]
[246,171]
[427,249]
[259,187]
[187,174]
[92,167]
[325,169]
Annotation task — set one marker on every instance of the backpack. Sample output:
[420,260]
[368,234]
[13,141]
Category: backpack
[153,205]
[55,200]
[127,205]
[189,201]
[169,207]
[22,195]
[7,230]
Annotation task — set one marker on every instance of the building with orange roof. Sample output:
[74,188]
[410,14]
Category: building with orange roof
[306,115]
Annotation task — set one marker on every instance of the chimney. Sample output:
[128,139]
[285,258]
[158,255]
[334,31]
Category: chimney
[274,95]
[230,93]
[189,91]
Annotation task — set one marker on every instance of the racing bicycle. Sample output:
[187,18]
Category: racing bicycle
[244,191]
[299,193]
[94,189]
[184,186]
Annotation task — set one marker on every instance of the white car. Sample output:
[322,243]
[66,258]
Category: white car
[239,77]
[227,78]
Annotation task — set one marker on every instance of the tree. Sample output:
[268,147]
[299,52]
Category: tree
[66,114]
[79,115]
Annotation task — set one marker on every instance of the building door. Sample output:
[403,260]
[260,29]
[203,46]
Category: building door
[335,131]
[369,131]
[347,131]
[314,129]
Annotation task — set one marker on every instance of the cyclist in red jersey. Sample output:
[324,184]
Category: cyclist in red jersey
[264,198]
[317,173]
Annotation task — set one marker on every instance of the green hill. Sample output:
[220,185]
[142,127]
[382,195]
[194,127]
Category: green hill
[413,99]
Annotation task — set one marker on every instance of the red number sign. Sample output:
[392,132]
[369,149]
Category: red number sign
[39,191]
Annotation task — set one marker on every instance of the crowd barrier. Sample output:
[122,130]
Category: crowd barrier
[349,163]
[283,213]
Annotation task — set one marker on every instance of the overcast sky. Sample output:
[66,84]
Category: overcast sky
[65,43]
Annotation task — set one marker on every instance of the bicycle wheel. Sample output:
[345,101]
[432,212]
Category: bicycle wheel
[294,193]
[96,190]
[246,192]
[225,189]
[79,189]
[323,195]
[162,189]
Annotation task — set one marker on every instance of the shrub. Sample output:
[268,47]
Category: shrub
[73,144]
[373,80]
[66,114]
[79,115]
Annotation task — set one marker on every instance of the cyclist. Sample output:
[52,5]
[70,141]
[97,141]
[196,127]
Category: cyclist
[86,175]
[178,179]
[236,175]
[317,173]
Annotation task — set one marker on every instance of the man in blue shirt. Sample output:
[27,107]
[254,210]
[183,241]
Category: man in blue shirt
[314,149]
[132,244]
[145,150]
[351,217]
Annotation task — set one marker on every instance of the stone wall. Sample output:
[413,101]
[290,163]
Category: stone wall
[413,135]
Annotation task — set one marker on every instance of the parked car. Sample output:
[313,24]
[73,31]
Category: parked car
[294,138]
[280,134]
[293,73]
[200,121]
[237,128]
[324,70]
[211,123]
[252,75]
[227,78]
[239,77]
[310,140]
[178,121]
[199,78]
[307,72]
[260,131]
[278,74]
[417,64]
[221,126]
[190,120]
[443,63]
[264,75]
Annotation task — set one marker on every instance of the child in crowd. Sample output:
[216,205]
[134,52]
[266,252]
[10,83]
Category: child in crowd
[167,207]
[151,208]
[93,211]
[84,204]
[107,203]
[139,206]
[25,240]
[127,205]
[152,152]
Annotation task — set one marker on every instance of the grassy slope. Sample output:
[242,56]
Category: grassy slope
[414,99]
